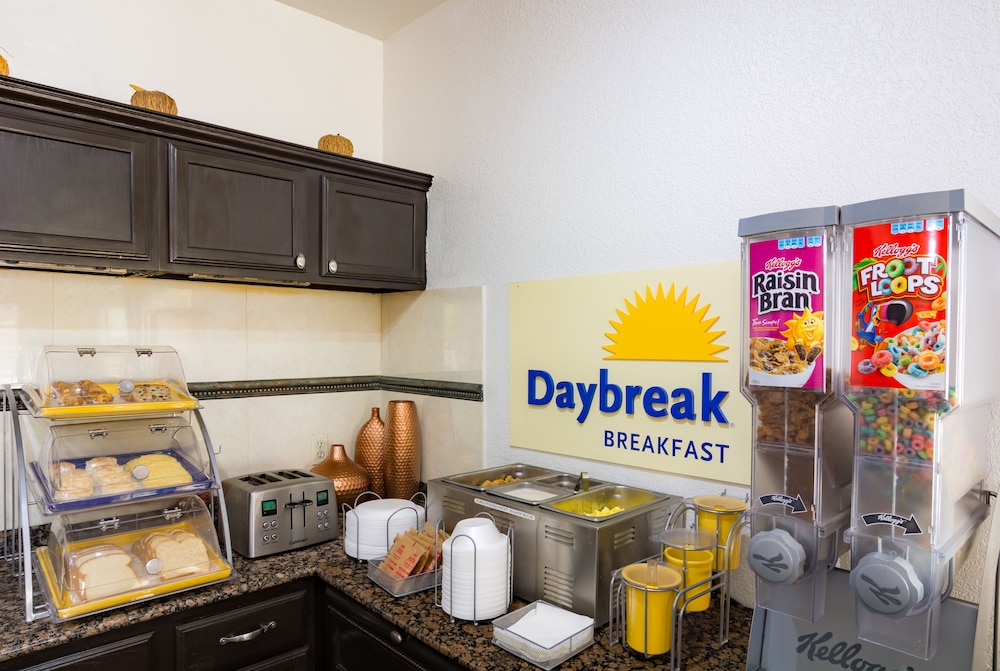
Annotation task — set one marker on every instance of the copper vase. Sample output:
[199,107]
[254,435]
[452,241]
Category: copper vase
[402,450]
[349,478]
[369,451]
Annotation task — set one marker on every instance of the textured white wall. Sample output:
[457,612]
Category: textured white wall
[254,65]
[571,138]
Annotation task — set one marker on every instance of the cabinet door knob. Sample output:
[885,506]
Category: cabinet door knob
[300,261]
[396,637]
[332,266]
[250,635]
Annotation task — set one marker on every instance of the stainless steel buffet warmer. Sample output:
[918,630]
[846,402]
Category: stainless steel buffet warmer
[569,533]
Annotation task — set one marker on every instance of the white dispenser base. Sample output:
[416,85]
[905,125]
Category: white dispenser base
[779,642]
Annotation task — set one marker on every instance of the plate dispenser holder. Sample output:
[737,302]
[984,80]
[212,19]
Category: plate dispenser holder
[920,378]
[801,475]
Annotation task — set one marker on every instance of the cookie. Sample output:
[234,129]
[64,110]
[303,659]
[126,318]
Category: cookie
[151,393]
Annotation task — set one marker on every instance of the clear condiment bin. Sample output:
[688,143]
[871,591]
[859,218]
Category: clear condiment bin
[97,560]
[79,382]
[87,464]
[543,634]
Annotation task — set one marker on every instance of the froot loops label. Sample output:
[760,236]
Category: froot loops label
[899,337]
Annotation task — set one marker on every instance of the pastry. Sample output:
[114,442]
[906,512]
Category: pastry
[100,462]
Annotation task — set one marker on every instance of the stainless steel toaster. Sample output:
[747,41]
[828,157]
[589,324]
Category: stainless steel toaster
[275,511]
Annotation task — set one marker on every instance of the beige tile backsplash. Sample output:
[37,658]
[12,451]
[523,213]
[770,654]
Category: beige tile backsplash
[228,332]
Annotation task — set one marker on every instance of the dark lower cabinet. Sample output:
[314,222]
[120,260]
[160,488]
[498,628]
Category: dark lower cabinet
[132,652]
[293,660]
[274,630]
[359,640]
[239,637]
[301,626]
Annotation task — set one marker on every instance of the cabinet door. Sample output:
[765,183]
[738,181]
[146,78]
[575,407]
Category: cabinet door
[134,653]
[236,215]
[75,193]
[373,235]
[360,640]
[236,638]
[293,660]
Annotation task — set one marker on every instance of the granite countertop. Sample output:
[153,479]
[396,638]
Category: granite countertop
[468,643]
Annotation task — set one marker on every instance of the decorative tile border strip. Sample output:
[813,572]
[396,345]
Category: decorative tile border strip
[462,391]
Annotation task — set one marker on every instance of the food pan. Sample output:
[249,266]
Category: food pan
[604,502]
[476,479]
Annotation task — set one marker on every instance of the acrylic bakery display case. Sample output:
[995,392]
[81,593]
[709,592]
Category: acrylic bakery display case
[99,559]
[83,465]
[108,446]
[83,381]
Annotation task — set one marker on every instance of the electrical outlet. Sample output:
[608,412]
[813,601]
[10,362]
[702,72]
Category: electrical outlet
[319,444]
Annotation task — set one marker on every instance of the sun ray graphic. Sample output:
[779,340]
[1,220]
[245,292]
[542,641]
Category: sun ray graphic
[664,328]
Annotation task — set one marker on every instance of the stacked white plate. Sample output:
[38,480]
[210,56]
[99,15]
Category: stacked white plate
[370,527]
[476,571]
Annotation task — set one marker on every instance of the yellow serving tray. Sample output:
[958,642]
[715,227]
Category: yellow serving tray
[179,402]
[63,606]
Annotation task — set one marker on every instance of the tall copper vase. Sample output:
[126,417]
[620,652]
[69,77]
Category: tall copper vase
[402,450]
[369,451]
[349,479]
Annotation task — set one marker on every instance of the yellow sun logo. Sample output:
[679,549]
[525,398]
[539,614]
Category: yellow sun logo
[664,328]
[805,329]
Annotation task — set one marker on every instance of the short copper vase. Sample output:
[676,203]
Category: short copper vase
[349,479]
[402,450]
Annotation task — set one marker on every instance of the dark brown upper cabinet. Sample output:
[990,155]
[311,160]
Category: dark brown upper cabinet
[75,193]
[235,215]
[373,234]
[94,185]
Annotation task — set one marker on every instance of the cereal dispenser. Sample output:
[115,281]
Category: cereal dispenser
[802,455]
[923,298]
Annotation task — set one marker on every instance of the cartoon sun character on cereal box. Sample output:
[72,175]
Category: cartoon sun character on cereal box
[805,334]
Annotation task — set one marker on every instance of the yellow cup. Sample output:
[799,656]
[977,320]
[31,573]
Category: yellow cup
[695,566]
[649,607]
[717,515]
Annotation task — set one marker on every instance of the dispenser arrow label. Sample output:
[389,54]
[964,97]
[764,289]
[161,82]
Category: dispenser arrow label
[797,504]
[909,526]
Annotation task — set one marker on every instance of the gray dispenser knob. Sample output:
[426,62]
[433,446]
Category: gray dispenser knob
[886,584]
[775,556]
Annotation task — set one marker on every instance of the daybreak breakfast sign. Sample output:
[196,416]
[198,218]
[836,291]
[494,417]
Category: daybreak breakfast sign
[639,369]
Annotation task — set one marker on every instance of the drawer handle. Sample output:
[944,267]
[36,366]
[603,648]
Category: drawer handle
[250,635]
[300,261]
[396,637]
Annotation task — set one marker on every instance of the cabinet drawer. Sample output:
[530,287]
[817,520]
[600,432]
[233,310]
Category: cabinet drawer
[244,636]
